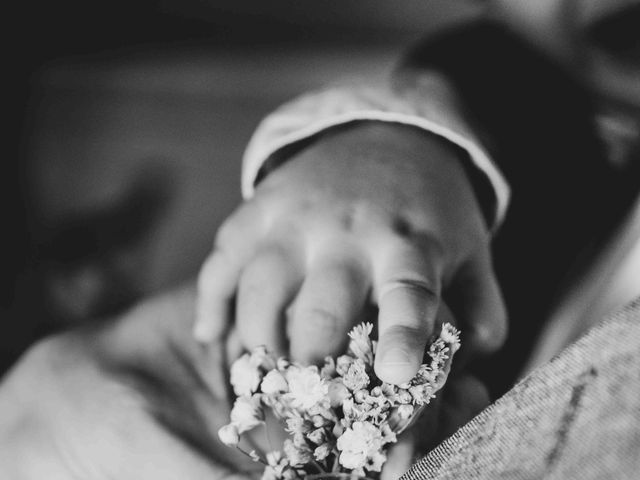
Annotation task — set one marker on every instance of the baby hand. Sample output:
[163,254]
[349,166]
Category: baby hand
[373,213]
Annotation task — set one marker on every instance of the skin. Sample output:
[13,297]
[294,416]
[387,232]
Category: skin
[370,214]
[135,398]
[130,399]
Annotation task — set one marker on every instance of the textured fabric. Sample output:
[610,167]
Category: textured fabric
[576,417]
[432,107]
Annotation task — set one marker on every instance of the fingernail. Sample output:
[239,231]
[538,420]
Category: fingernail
[395,356]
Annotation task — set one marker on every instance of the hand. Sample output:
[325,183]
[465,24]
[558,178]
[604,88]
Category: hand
[135,399]
[374,213]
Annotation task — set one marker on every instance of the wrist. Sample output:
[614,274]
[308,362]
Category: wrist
[392,143]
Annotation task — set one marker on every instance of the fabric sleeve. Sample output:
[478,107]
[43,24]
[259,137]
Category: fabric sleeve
[430,104]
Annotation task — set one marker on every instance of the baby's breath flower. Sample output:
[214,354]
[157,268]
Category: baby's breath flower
[270,473]
[360,345]
[338,392]
[290,474]
[260,357]
[377,401]
[296,424]
[299,440]
[388,435]
[422,394]
[375,461]
[282,363]
[277,462]
[229,435]
[389,390]
[246,413]
[254,456]
[343,363]
[404,396]
[274,382]
[353,411]
[274,458]
[317,436]
[306,388]
[359,444]
[330,413]
[425,374]
[318,421]
[245,376]
[450,335]
[321,452]
[356,377]
[405,411]
[298,455]
[360,396]
[323,409]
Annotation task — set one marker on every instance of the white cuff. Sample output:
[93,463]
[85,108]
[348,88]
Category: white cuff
[436,113]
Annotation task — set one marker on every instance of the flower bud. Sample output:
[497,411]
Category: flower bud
[360,396]
[245,376]
[229,435]
[322,452]
[274,382]
[317,436]
[338,393]
[405,411]
[404,396]
[246,413]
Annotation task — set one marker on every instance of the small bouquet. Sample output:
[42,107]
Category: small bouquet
[340,417]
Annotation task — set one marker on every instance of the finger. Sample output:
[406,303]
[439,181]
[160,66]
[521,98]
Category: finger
[233,346]
[479,306]
[400,458]
[464,397]
[236,241]
[331,298]
[217,283]
[408,290]
[267,286]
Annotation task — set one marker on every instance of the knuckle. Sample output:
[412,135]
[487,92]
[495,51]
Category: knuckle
[413,282]
[358,215]
[266,270]
[226,234]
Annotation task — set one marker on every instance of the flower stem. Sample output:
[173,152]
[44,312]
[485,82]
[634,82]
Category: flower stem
[317,465]
[336,464]
[260,459]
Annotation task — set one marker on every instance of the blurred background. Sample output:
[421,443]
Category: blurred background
[127,122]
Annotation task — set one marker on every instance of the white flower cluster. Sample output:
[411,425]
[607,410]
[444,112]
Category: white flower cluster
[341,417]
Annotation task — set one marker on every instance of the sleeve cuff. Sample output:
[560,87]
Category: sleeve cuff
[313,114]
